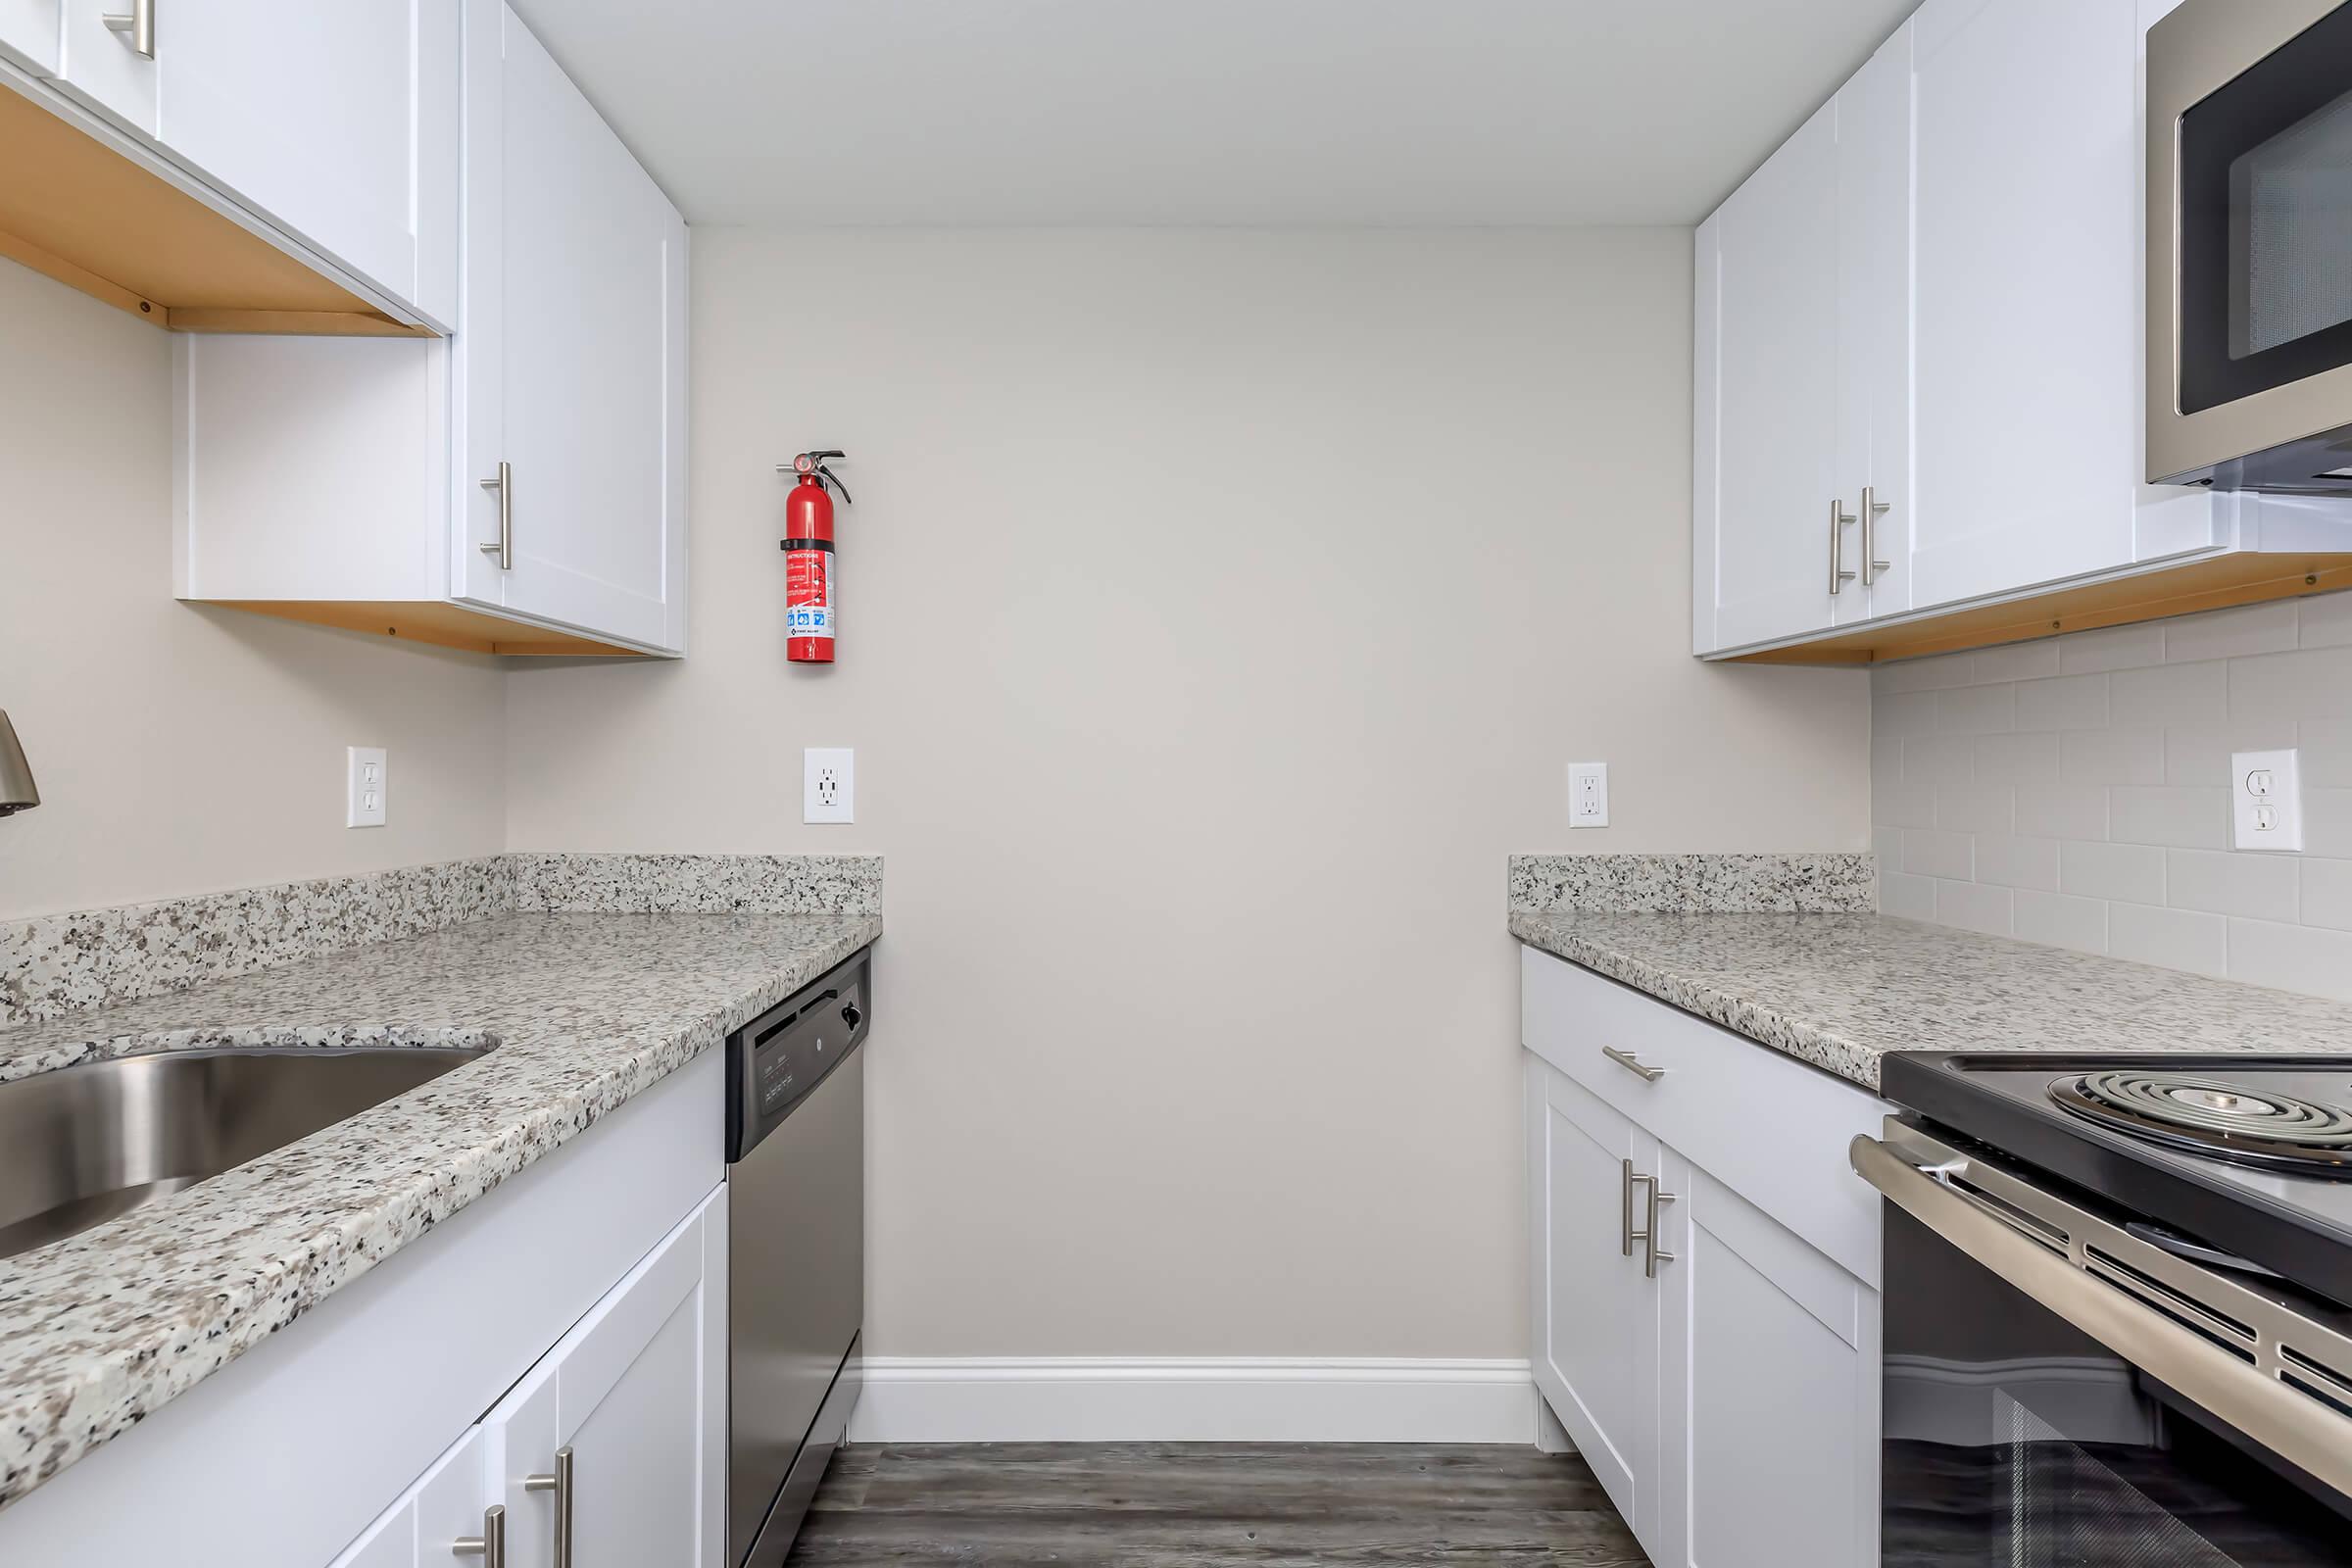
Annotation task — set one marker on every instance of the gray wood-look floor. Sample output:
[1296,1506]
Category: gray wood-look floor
[1200,1506]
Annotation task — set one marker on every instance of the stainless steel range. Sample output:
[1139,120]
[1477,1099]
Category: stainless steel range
[2117,1311]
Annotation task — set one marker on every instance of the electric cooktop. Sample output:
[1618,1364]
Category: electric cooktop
[2250,1156]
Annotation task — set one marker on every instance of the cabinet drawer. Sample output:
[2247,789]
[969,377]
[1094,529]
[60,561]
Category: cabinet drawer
[1769,1127]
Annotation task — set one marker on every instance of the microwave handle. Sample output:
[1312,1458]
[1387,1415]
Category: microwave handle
[2293,1426]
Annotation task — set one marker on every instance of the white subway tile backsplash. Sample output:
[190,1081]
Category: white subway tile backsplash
[2059,921]
[1973,907]
[2193,818]
[2131,873]
[2259,887]
[1976,810]
[1904,806]
[2018,660]
[2292,957]
[2074,791]
[2007,861]
[2327,620]
[2200,756]
[2327,747]
[2063,811]
[2177,939]
[2069,702]
[1925,675]
[2327,894]
[2114,648]
[2229,633]
[2018,760]
[1977,710]
[1940,759]
[1928,853]
[2169,695]
[2289,688]
[1907,897]
[2106,756]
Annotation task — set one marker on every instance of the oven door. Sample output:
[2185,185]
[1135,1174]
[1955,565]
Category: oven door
[2042,1411]
[2250,244]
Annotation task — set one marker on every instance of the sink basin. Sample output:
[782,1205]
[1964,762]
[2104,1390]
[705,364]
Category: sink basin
[86,1144]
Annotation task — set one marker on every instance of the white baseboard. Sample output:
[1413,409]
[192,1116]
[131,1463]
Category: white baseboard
[1189,1399]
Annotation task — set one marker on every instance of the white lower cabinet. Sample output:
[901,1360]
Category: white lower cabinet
[622,1427]
[1725,1395]
[28,34]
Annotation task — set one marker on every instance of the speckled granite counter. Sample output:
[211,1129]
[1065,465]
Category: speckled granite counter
[1840,991]
[587,1010]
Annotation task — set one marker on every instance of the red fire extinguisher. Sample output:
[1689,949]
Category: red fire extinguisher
[811,590]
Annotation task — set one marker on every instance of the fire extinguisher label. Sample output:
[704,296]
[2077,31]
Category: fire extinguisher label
[810,584]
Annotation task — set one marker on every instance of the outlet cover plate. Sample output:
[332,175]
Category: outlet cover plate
[2266,802]
[364,782]
[1588,795]
[829,784]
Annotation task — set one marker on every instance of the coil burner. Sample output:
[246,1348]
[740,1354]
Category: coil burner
[2214,1116]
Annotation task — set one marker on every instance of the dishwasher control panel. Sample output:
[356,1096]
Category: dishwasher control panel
[775,1062]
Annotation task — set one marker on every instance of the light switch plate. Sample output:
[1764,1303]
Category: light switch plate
[364,780]
[1588,795]
[829,784]
[2266,802]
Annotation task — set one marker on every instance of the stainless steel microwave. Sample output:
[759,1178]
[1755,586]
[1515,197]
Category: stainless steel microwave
[2250,246]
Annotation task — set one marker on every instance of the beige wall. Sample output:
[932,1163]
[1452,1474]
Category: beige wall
[1221,611]
[182,750]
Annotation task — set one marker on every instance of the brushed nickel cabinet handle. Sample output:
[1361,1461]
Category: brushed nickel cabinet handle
[559,1483]
[1633,1064]
[137,25]
[504,549]
[491,1545]
[1872,509]
[1839,520]
[1625,1200]
[1649,1232]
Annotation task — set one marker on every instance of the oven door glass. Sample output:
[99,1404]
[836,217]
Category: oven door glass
[2266,221]
[2014,1440]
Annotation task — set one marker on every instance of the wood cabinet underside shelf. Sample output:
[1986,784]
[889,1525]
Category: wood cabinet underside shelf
[424,621]
[78,210]
[2198,585]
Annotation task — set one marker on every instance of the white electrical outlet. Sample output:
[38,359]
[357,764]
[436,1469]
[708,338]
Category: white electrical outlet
[1588,795]
[829,784]
[2266,802]
[364,786]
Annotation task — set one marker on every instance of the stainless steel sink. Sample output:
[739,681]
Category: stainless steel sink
[83,1145]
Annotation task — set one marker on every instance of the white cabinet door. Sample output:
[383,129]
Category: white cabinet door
[447,1505]
[575,298]
[1767,270]
[338,121]
[635,1396]
[1771,1392]
[103,68]
[1595,1316]
[1874,329]
[28,34]
[2028,319]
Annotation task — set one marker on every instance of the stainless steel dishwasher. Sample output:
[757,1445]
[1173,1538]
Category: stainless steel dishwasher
[796,1262]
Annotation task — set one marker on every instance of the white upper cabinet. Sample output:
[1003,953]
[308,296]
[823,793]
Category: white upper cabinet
[2028,299]
[516,487]
[335,124]
[1802,372]
[338,121]
[28,34]
[1959,234]
[574,356]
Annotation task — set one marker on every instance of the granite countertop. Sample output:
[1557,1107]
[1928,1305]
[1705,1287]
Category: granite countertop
[1840,991]
[586,1010]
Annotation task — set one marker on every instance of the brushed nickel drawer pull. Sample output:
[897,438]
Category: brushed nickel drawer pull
[559,1483]
[491,1545]
[1633,1064]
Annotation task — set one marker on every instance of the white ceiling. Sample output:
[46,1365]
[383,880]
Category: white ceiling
[1206,112]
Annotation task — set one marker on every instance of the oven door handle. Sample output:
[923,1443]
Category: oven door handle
[2289,1424]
